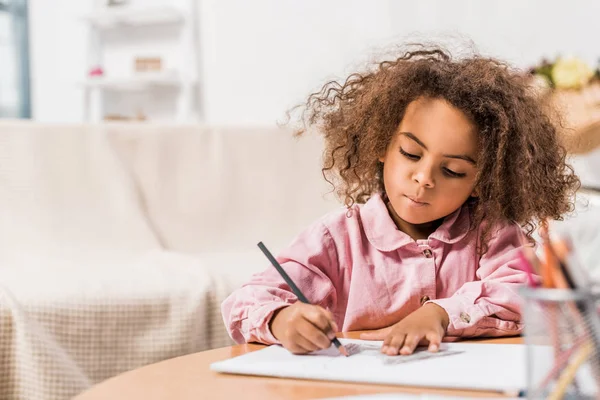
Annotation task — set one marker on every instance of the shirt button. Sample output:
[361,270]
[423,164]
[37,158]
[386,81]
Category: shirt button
[464,317]
[424,299]
[427,253]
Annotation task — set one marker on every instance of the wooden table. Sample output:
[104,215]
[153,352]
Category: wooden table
[189,378]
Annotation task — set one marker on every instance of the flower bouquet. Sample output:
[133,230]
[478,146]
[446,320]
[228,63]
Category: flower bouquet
[574,88]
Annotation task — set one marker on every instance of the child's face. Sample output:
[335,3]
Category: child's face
[430,165]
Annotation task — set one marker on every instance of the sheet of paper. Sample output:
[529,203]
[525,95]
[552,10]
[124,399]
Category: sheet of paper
[497,367]
[469,366]
[403,396]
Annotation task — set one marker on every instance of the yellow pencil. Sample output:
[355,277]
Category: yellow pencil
[567,376]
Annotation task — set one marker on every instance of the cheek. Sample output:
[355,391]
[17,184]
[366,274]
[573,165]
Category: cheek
[459,187]
[394,172]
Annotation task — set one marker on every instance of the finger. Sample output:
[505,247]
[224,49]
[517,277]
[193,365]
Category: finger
[410,344]
[435,340]
[299,345]
[394,344]
[334,326]
[387,341]
[302,342]
[320,318]
[313,334]
[379,334]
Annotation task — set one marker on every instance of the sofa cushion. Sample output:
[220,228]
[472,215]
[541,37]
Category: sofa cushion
[64,194]
[225,189]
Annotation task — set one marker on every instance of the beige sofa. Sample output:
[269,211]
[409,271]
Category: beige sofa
[118,243]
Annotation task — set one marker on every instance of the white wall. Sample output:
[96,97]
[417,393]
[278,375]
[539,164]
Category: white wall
[57,56]
[260,57]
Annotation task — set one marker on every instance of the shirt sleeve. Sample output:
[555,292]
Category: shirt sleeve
[310,261]
[490,305]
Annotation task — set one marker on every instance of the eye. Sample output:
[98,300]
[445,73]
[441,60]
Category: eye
[453,174]
[409,156]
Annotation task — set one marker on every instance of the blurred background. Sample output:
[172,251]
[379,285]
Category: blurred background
[243,62]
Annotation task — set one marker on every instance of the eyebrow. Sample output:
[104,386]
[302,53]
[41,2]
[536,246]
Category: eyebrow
[457,156]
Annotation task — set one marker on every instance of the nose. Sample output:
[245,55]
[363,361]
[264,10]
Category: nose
[424,177]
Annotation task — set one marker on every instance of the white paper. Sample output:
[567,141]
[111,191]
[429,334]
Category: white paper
[403,396]
[470,366]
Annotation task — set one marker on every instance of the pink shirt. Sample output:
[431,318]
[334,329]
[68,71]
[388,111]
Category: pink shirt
[371,275]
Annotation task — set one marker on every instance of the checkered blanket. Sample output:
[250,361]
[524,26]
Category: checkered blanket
[66,327]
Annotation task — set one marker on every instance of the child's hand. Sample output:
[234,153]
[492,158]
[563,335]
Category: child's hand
[427,325]
[302,328]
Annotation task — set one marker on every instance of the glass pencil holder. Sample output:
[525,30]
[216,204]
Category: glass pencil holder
[562,335]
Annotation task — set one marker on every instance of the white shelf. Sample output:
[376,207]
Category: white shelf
[138,82]
[179,82]
[123,16]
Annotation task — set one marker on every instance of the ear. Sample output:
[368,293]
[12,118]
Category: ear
[475,193]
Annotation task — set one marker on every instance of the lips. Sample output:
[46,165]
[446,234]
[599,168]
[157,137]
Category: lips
[416,200]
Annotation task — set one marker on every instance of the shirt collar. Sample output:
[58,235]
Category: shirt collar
[381,231]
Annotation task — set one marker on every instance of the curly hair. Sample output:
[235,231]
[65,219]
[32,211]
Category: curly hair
[522,173]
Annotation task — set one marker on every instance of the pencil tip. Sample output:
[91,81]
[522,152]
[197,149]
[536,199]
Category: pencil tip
[344,351]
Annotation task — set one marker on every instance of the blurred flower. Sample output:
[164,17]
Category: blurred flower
[571,73]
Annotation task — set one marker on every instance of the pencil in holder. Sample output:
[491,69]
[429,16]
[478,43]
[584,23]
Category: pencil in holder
[562,335]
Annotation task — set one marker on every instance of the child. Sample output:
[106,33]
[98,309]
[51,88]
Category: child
[450,158]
